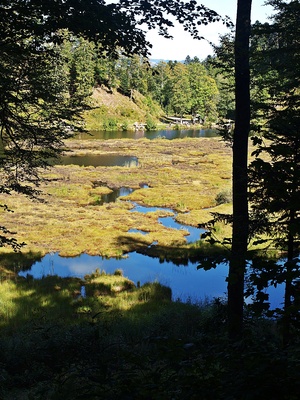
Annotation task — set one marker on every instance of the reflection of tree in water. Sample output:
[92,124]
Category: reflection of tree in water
[100,160]
[179,255]
[114,195]
[17,262]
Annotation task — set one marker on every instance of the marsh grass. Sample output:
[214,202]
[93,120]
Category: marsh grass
[72,219]
[47,326]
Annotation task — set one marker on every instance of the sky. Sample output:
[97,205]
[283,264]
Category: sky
[183,45]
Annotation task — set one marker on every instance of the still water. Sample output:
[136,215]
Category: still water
[170,222]
[186,282]
[164,133]
[105,160]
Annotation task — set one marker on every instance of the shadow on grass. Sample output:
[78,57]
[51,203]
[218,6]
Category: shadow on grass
[12,263]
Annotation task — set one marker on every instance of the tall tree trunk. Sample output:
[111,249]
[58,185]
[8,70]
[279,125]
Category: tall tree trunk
[237,265]
[286,321]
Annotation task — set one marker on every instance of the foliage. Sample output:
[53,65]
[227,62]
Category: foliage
[204,91]
[220,66]
[150,124]
[109,124]
[180,99]
[275,106]
[82,69]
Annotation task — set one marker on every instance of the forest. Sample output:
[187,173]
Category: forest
[124,340]
[189,87]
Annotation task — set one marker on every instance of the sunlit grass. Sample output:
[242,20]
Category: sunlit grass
[185,175]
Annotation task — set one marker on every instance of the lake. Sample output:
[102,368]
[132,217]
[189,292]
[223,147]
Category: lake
[163,133]
[128,161]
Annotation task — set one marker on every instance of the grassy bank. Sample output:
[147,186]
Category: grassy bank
[113,111]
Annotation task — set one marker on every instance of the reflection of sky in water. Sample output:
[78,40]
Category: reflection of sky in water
[276,296]
[169,222]
[144,209]
[194,233]
[185,281]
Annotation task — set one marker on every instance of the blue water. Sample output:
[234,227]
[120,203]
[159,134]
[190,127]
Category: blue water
[186,282]
[169,222]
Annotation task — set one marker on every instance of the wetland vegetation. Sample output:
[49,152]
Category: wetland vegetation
[185,175]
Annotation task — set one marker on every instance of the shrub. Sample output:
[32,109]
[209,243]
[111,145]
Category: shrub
[126,112]
[124,126]
[224,197]
[110,124]
[150,124]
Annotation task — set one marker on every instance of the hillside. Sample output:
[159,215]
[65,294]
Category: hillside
[111,110]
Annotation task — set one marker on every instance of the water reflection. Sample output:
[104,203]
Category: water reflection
[115,194]
[170,222]
[186,282]
[163,133]
[194,233]
[103,160]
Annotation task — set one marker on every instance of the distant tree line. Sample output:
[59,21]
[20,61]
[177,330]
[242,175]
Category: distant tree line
[179,88]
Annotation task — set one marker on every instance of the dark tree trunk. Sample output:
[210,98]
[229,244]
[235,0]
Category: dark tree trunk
[289,264]
[237,265]
[286,322]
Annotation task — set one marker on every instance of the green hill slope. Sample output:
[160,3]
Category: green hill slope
[111,110]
